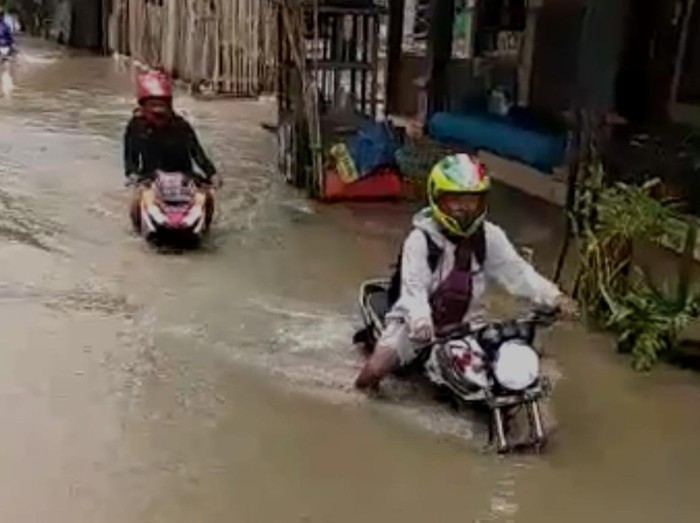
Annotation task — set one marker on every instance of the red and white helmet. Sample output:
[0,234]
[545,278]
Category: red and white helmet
[153,84]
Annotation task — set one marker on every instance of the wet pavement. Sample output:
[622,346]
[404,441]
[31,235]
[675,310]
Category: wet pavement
[214,386]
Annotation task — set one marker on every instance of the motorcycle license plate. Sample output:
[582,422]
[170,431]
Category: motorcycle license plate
[175,194]
[174,188]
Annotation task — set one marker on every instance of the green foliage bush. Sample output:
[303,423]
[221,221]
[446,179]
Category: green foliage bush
[611,221]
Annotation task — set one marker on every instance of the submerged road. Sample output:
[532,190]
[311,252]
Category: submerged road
[215,386]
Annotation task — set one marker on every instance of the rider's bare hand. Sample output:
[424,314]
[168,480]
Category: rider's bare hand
[217,181]
[568,308]
[421,330]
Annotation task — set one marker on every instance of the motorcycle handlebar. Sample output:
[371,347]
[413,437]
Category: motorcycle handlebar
[540,316]
[543,316]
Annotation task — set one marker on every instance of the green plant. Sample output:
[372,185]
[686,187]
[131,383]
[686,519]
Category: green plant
[649,321]
[611,220]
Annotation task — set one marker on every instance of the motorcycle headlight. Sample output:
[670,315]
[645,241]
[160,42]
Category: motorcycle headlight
[517,366]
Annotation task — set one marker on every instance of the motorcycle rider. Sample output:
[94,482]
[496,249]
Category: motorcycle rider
[471,250]
[158,139]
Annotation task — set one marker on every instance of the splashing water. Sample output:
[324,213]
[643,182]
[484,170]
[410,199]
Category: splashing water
[8,84]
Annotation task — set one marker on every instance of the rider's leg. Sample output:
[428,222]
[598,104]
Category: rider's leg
[394,349]
[135,209]
[208,207]
[382,362]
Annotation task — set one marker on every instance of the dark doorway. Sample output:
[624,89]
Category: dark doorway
[87,29]
[643,84]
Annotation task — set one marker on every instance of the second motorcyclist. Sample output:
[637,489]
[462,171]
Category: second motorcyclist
[159,139]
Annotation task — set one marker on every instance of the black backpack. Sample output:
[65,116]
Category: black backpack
[434,254]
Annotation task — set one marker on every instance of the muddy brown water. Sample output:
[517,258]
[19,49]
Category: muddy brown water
[215,386]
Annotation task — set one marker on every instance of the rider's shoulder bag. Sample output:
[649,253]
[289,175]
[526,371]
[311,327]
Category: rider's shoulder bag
[478,247]
[434,254]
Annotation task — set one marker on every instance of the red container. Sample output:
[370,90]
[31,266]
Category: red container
[382,184]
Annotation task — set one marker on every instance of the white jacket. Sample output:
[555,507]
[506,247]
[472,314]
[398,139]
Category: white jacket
[502,264]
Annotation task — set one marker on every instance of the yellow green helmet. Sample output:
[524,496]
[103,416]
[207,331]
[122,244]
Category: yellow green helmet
[457,174]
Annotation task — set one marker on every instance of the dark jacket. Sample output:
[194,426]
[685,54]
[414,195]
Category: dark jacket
[172,148]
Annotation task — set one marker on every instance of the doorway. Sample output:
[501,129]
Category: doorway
[652,29]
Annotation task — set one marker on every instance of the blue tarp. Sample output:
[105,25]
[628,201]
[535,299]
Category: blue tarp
[504,136]
[373,146]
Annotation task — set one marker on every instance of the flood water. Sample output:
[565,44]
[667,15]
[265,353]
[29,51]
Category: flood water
[215,386]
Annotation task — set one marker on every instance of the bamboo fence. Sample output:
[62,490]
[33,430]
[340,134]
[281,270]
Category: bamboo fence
[227,46]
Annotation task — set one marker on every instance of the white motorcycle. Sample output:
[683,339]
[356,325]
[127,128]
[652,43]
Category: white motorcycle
[173,210]
[492,365]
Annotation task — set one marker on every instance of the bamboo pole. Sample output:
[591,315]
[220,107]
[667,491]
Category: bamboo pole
[235,73]
[206,42]
[216,75]
[253,46]
[169,42]
[238,68]
[232,44]
[131,25]
[243,46]
[240,71]
[224,17]
[250,47]
[227,18]
[189,38]
[183,49]
[374,42]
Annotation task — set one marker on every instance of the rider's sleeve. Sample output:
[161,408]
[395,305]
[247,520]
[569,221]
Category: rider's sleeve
[504,265]
[416,278]
[198,154]
[132,157]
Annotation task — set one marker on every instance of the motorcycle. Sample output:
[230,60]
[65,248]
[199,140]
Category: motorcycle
[493,366]
[173,209]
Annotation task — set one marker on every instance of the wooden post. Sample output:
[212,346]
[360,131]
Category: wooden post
[442,14]
[527,50]
[680,54]
[395,41]
[374,38]
[688,260]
